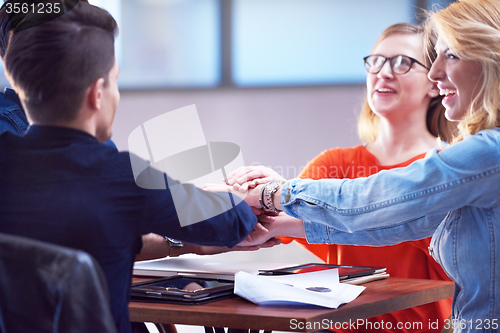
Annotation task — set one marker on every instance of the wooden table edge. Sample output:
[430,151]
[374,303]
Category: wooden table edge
[380,297]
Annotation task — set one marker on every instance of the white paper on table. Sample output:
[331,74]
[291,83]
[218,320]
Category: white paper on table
[293,288]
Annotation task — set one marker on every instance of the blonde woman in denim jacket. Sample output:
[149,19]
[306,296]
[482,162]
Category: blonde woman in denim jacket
[453,194]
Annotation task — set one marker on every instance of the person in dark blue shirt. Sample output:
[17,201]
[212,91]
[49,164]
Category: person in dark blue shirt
[60,185]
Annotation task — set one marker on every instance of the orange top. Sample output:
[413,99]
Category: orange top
[409,259]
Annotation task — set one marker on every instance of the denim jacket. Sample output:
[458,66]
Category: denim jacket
[453,194]
[12,117]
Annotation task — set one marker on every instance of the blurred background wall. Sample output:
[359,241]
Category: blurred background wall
[282,128]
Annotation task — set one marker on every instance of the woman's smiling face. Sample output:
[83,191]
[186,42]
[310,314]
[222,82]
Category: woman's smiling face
[390,93]
[458,80]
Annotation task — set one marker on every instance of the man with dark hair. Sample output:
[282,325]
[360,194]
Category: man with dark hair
[60,185]
[12,115]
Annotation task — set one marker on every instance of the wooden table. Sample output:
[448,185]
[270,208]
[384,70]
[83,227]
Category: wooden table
[378,298]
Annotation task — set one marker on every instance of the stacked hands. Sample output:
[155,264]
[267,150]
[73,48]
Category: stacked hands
[247,183]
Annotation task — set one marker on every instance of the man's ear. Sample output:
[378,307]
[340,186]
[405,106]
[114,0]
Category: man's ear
[434,91]
[95,94]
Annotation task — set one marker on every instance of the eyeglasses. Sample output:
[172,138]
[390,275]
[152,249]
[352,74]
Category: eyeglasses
[400,64]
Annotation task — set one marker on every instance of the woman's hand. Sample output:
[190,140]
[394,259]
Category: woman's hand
[207,250]
[245,178]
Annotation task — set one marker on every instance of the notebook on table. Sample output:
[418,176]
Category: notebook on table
[205,267]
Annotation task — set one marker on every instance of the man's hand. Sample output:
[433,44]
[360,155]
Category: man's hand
[282,225]
[251,197]
[154,247]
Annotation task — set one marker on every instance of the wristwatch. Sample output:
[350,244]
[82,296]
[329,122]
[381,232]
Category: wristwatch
[267,193]
[175,246]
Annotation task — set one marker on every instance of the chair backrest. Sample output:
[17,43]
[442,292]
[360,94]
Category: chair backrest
[50,288]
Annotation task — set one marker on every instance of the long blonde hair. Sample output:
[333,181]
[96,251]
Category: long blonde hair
[471,29]
[437,124]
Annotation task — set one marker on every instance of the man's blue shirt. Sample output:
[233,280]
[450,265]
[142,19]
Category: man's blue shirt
[62,186]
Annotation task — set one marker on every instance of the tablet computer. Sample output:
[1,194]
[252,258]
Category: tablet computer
[182,290]
[346,272]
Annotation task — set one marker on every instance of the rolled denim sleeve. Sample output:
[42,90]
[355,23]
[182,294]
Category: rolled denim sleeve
[320,233]
[465,174]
